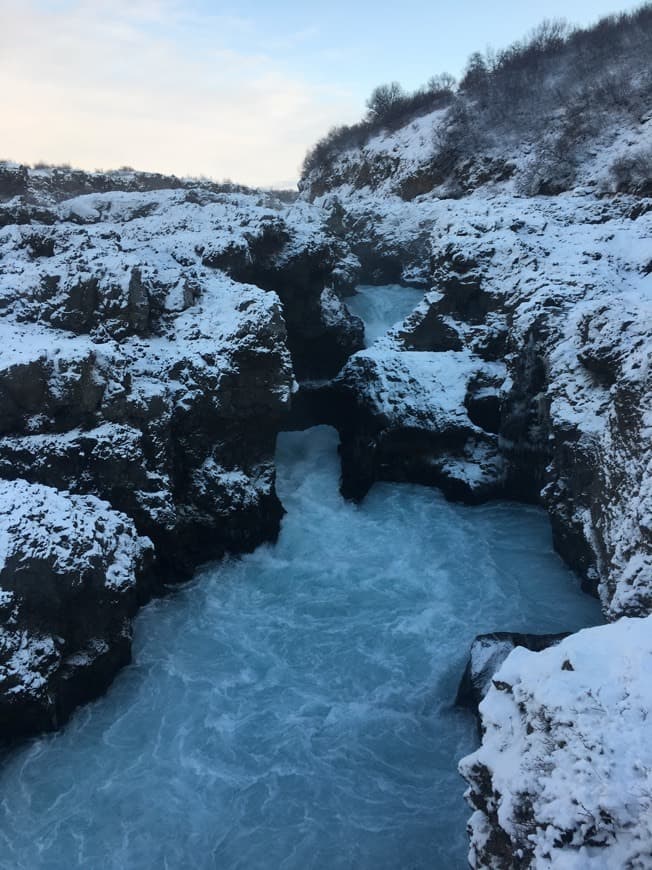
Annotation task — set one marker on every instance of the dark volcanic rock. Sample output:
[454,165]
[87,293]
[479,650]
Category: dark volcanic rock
[321,332]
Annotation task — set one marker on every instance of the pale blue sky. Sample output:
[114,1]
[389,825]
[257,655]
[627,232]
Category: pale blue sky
[359,43]
[227,89]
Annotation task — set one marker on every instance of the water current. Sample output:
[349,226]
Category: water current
[293,708]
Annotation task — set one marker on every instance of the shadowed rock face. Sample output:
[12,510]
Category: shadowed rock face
[133,369]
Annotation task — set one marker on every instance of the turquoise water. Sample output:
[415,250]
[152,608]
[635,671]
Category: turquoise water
[293,708]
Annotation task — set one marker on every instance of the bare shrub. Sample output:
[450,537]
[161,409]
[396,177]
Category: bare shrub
[578,75]
[383,101]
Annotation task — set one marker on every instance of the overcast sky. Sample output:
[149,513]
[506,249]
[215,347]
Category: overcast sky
[224,89]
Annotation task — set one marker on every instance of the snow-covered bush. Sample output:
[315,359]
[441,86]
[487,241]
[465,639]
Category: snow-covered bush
[632,173]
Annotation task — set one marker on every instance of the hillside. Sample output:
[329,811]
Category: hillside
[562,109]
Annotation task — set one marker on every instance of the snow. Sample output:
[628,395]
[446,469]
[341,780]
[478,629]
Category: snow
[68,547]
[417,389]
[332,307]
[565,732]
[41,522]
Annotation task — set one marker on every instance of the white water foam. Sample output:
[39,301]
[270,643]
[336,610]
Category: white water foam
[382,307]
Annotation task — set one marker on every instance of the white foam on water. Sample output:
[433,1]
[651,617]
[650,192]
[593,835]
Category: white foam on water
[293,708]
[382,307]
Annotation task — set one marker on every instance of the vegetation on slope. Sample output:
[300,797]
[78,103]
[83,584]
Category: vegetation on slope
[580,79]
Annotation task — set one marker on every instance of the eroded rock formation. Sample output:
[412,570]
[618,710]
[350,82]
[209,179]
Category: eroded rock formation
[138,366]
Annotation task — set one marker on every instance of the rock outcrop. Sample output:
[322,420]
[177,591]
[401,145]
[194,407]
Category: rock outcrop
[564,774]
[488,652]
[70,569]
[140,367]
[403,417]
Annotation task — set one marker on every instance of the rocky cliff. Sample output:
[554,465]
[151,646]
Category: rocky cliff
[143,381]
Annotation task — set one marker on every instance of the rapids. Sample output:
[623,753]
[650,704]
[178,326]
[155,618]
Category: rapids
[382,307]
[293,708]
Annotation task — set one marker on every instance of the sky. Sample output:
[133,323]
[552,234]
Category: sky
[227,90]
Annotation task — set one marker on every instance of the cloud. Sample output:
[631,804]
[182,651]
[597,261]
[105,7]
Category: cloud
[101,84]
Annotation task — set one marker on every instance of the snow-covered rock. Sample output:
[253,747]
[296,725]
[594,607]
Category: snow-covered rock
[563,778]
[69,573]
[552,300]
[404,416]
[146,359]
[488,652]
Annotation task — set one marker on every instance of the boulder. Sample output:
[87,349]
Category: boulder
[72,572]
[564,773]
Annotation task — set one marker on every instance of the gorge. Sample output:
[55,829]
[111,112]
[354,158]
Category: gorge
[181,362]
[294,707]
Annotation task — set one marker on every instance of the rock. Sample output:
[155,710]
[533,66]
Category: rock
[71,571]
[321,332]
[564,773]
[488,652]
[169,430]
[13,180]
[402,417]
